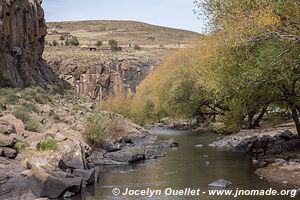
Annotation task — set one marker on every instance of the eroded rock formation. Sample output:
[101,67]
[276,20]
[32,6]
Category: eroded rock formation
[22,33]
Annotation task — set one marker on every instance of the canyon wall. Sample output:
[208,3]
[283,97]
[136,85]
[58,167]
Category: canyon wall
[22,35]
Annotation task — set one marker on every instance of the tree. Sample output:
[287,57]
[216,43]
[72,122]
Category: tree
[54,43]
[114,45]
[98,43]
[74,41]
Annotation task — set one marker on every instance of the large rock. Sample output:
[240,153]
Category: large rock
[6,128]
[73,157]
[6,141]
[8,152]
[48,183]
[89,176]
[127,155]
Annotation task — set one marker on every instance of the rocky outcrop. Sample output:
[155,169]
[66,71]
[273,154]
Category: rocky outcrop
[278,141]
[22,33]
[102,76]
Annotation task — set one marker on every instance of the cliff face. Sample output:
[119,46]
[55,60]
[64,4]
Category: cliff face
[101,76]
[22,33]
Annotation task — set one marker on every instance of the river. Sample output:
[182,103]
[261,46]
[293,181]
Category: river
[185,167]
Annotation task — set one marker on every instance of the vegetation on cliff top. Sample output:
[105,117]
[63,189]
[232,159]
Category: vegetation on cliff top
[247,66]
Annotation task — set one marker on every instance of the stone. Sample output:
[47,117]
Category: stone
[8,152]
[45,182]
[6,141]
[73,156]
[286,135]
[126,155]
[68,194]
[87,175]
[168,144]
[6,128]
[220,183]
[279,161]
[74,184]
[110,146]
[199,145]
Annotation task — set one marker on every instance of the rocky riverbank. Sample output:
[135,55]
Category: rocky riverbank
[44,149]
[280,165]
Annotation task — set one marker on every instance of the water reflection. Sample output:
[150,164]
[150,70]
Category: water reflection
[186,167]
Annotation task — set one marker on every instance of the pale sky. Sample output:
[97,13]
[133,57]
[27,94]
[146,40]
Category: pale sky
[170,13]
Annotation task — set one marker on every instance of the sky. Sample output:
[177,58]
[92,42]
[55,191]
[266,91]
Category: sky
[170,13]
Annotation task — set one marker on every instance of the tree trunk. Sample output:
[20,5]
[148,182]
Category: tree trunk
[259,118]
[250,120]
[296,119]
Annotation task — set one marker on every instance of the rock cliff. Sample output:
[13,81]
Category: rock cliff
[22,33]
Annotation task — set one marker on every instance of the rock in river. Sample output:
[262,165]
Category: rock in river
[220,183]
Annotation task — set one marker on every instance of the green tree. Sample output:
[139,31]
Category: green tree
[74,41]
[54,43]
[98,43]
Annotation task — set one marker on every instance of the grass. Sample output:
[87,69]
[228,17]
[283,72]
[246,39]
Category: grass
[8,96]
[100,127]
[23,113]
[36,94]
[21,146]
[47,145]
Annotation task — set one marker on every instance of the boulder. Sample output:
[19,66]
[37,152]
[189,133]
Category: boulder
[48,183]
[73,157]
[168,144]
[17,123]
[43,184]
[199,145]
[220,183]
[87,175]
[6,128]
[286,135]
[8,152]
[126,155]
[6,141]
[111,146]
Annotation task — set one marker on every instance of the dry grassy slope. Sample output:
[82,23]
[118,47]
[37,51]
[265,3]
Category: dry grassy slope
[116,71]
[140,33]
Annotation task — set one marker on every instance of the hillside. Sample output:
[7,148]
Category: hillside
[100,72]
[124,32]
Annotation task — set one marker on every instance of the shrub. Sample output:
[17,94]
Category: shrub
[67,42]
[74,41]
[47,144]
[8,96]
[21,146]
[54,43]
[21,114]
[98,43]
[96,125]
[100,127]
[62,38]
[32,125]
[37,94]
[114,45]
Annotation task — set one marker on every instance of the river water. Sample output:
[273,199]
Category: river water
[185,167]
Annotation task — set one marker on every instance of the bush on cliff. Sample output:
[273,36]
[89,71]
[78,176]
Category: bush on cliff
[100,126]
